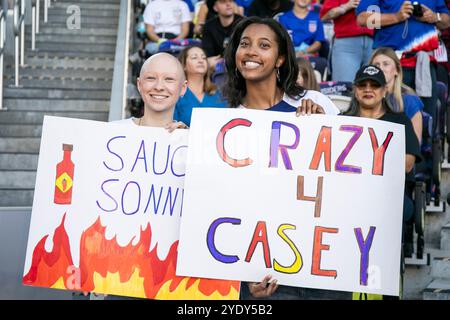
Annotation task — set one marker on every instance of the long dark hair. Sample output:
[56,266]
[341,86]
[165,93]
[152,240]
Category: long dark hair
[234,88]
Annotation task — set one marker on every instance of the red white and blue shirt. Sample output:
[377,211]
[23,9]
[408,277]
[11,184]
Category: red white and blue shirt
[306,30]
[411,35]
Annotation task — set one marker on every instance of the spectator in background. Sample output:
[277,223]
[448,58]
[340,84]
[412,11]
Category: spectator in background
[306,75]
[165,19]
[200,92]
[207,12]
[368,101]
[217,31]
[245,4]
[413,37]
[304,27]
[401,97]
[352,44]
[269,8]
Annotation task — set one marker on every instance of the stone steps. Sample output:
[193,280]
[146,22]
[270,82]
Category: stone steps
[76,84]
[66,62]
[20,130]
[67,46]
[14,161]
[84,5]
[98,2]
[37,117]
[14,104]
[85,18]
[30,93]
[17,179]
[440,268]
[19,145]
[57,72]
[72,38]
[69,54]
[437,290]
[68,75]
[16,197]
[87,11]
[46,29]
[57,26]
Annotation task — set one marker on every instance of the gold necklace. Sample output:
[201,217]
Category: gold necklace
[140,119]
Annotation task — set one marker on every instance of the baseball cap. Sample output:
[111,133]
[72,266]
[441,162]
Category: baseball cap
[370,72]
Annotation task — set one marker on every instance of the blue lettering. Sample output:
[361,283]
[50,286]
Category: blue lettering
[109,196]
[152,195]
[139,198]
[167,160]
[171,163]
[142,147]
[109,149]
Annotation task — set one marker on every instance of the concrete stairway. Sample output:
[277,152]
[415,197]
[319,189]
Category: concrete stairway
[439,288]
[69,75]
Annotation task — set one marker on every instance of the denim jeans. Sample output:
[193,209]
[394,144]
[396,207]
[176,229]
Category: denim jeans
[348,55]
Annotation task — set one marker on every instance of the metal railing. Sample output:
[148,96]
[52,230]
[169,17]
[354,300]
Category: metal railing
[120,75]
[47,4]
[3,11]
[19,37]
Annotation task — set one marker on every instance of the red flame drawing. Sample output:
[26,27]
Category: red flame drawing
[107,267]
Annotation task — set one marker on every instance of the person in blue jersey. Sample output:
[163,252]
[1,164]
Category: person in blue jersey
[201,92]
[261,75]
[304,27]
[413,35]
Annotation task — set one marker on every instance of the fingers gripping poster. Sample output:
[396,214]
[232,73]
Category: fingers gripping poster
[315,201]
[106,212]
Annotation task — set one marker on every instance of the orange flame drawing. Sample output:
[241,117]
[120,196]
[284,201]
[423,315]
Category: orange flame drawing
[107,267]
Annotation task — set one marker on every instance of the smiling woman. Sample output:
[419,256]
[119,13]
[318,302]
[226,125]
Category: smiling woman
[262,71]
[201,93]
[262,75]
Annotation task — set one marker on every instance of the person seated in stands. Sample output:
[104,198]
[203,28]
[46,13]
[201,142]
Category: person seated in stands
[208,12]
[352,45]
[269,8]
[401,97]
[304,27]
[201,92]
[165,19]
[217,31]
[370,89]
[413,36]
[306,75]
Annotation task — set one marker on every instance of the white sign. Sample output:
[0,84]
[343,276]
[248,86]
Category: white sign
[106,212]
[316,201]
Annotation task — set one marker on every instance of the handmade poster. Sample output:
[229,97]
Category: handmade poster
[315,201]
[106,212]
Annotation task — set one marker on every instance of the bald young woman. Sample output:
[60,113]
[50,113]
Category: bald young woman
[161,82]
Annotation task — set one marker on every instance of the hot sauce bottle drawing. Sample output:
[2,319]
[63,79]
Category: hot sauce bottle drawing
[64,177]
